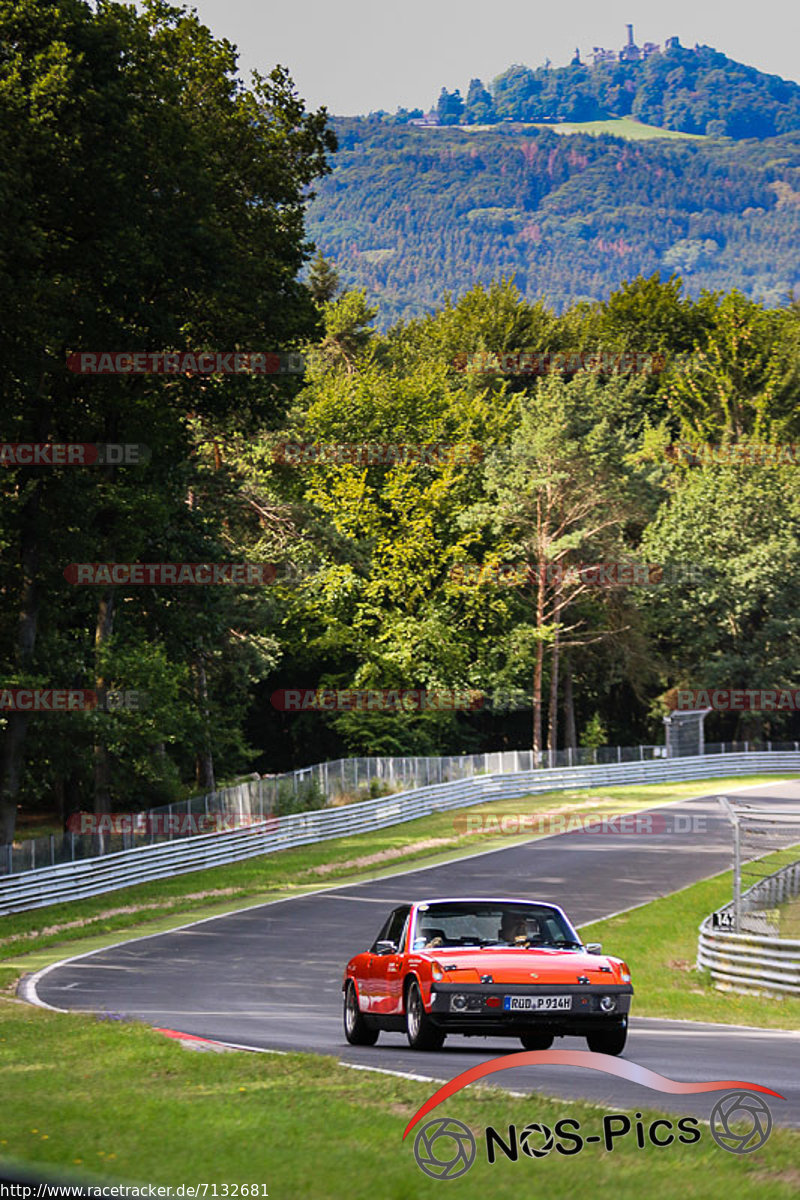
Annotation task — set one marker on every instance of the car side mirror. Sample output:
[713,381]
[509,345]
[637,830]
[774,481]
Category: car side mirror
[594,947]
[385,948]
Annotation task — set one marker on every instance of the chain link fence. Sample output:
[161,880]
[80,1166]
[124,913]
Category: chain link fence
[328,784]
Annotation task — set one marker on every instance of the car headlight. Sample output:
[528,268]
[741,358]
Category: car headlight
[459,1002]
[437,970]
[608,1003]
[625,972]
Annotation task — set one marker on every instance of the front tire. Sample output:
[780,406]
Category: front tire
[536,1041]
[609,1041]
[356,1029]
[421,1032]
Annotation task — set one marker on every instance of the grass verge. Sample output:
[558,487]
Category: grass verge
[659,942]
[788,915]
[30,940]
[93,1101]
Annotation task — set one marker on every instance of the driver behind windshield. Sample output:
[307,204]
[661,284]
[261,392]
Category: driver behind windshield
[516,928]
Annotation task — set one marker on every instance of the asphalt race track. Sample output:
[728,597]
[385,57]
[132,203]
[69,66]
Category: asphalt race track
[270,977]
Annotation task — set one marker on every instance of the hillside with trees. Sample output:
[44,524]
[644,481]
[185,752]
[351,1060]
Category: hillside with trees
[410,213]
[691,90]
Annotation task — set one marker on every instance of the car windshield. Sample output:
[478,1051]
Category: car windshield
[491,923]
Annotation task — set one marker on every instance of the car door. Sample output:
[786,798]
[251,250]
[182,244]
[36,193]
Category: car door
[366,985]
[385,971]
[394,969]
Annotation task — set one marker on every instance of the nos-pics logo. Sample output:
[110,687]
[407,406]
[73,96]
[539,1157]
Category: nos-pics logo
[445,1148]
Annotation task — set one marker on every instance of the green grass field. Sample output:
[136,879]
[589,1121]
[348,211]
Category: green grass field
[100,1101]
[624,127]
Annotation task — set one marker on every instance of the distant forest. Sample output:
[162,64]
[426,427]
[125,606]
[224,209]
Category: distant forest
[409,213]
[695,90]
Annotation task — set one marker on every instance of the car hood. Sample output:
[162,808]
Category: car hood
[511,965]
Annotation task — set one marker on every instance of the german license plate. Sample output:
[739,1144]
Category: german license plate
[536,1003]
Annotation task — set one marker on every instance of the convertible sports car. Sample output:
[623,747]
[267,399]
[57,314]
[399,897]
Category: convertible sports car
[513,968]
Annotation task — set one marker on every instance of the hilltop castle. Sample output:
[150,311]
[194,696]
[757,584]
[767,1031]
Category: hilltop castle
[630,52]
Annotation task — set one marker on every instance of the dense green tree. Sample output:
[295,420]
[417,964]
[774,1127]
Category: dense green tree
[449,107]
[737,625]
[743,377]
[559,498]
[479,108]
[151,201]
[323,279]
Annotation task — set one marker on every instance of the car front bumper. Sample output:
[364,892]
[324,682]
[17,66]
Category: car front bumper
[479,1008]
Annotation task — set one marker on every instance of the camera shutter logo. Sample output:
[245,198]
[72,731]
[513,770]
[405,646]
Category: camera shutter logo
[445,1148]
[735,1111]
[528,1140]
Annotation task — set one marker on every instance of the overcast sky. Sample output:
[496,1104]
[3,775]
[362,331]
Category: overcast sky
[356,56]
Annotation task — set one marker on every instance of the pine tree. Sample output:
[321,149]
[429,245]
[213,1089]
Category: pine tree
[323,279]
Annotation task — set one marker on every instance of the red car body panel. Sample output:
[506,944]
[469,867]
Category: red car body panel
[487,974]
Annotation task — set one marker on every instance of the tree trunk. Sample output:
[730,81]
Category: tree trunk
[12,757]
[204,760]
[552,726]
[11,768]
[538,666]
[570,732]
[102,763]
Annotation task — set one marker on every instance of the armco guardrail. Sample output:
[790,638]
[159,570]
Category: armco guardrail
[90,877]
[752,961]
[346,780]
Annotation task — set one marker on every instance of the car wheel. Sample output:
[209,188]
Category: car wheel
[536,1041]
[421,1032]
[609,1041]
[356,1029]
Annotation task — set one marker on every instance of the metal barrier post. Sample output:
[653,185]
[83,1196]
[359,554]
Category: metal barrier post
[737,877]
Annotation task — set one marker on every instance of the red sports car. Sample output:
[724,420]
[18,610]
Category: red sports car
[513,968]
